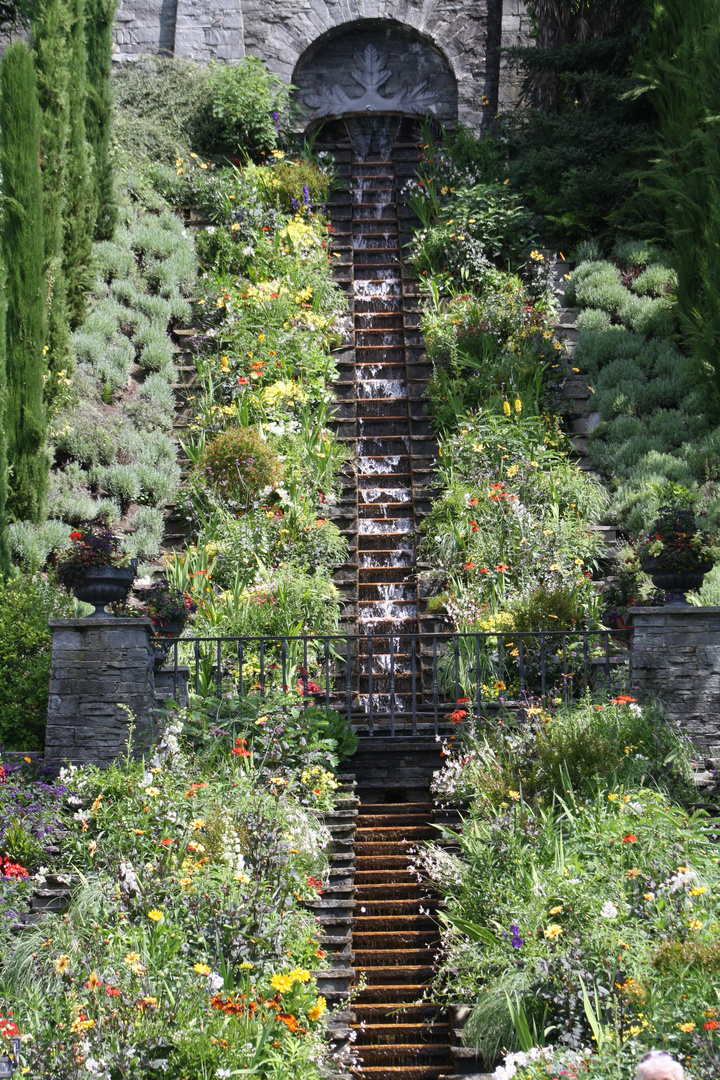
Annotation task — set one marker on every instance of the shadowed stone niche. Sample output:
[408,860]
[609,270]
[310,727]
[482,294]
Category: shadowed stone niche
[101,668]
[675,657]
[375,67]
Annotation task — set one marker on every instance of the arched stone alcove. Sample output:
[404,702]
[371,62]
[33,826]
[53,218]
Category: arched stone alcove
[375,65]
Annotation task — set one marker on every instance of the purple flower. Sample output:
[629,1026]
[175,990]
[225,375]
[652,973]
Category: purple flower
[517,941]
[306,193]
[276,121]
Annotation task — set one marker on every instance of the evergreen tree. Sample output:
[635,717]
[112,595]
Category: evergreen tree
[99,21]
[576,143]
[23,252]
[80,207]
[50,45]
[682,75]
[4,550]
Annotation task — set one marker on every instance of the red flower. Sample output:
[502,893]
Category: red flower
[239,751]
[458,716]
[469,565]
[501,567]
[462,700]
[711,1025]
[13,870]
[166,842]
[76,536]
[496,487]
[242,381]
[484,570]
[624,699]
[630,838]
[316,885]
[474,501]
[112,991]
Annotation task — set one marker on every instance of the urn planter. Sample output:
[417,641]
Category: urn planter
[102,585]
[676,582]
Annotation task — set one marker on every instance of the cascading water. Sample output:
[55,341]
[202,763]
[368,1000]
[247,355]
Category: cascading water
[387,588]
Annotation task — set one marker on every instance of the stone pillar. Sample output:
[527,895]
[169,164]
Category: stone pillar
[675,657]
[99,665]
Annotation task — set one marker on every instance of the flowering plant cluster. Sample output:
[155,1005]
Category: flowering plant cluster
[188,947]
[92,545]
[579,905]
[677,542]
[165,604]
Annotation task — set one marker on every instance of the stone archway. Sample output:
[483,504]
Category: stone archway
[375,66]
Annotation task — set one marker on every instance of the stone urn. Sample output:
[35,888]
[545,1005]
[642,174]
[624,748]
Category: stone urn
[102,585]
[676,582]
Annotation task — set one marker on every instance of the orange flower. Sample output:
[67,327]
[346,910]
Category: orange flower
[501,567]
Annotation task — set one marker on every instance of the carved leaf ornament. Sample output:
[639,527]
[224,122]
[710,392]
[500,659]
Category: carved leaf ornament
[370,71]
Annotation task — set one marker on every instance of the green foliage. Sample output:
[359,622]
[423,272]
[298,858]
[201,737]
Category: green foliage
[244,98]
[513,516]
[583,895]
[51,56]
[655,428]
[4,547]
[161,110]
[581,113]
[99,20]
[26,603]
[682,79]
[23,251]
[80,206]
[239,464]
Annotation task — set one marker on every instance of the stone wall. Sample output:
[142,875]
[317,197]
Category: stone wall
[676,657]
[101,668]
[280,32]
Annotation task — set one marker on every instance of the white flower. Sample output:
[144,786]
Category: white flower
[215,981]
[210,230]
[608,910]
[222,1073]
[636,710]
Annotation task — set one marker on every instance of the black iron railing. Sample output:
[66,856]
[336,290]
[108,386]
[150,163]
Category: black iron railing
[401,683]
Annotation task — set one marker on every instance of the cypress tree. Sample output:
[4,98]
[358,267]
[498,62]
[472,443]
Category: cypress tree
[23,252]
[80,205]
[99,21]
[50,46]
[4,550]
[682,75]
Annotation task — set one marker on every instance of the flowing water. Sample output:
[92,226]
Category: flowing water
[387,589]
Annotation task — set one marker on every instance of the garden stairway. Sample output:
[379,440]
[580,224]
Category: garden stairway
[398,1037]
[380,413]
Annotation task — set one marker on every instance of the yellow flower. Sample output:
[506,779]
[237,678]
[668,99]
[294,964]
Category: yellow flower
[648,896]
[683,869]
[283,983]
[632,873]
[506,408]
[514,794]
[695,924]
[556,910]
[552,931]
[241,877]
[156,915]
[224,365]
[93,980]
[153,792]
[62,964]
[518,405]
[138,832]
[300,975]
[698,890]
[132,958]
[201,969]
[536,255]
[318,1009]
[197,823]
[690,1026]
[612,797]
[247,965]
